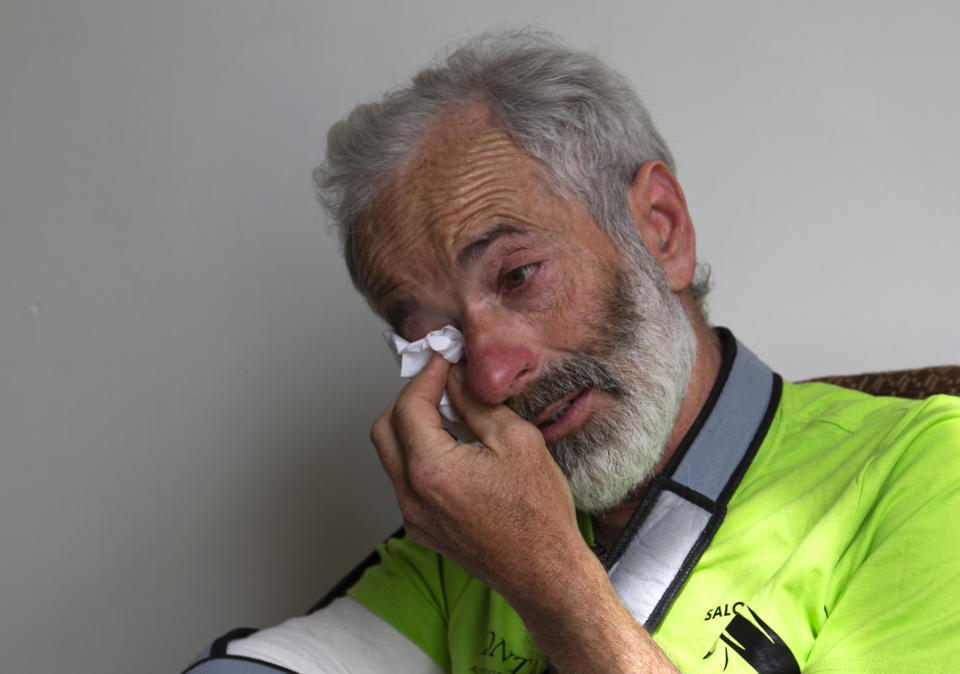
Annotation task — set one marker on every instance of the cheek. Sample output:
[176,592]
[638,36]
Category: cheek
[568,311]
[550,295]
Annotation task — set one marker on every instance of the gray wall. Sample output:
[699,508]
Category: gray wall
[186,377]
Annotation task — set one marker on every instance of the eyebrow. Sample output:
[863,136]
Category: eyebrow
[398,310]
[473,250]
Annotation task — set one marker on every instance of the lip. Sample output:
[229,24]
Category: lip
[571,419]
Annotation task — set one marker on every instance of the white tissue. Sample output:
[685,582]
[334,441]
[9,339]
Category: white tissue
[414,356]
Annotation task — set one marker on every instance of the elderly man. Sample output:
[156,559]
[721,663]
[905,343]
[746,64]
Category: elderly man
[645,495]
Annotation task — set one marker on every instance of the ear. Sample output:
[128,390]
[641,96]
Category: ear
[659,212]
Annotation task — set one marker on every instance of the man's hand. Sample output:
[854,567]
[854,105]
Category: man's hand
[503,511]
[487,508]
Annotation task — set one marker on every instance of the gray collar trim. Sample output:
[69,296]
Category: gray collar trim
[684,506]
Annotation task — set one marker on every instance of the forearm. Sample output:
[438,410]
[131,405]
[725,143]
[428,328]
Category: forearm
[579,622]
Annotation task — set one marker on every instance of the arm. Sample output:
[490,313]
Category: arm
[504,512]
[342,637]
[345,637]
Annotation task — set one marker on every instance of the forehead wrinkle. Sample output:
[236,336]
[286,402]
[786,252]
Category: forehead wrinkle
[464,170]
[457,191]
[493,190]
[457,180]
[482,199]
[380,237]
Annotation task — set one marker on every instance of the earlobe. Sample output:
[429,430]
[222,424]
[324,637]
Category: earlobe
[659,211]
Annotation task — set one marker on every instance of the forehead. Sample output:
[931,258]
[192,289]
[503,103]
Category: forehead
[463,153]
[463,175]
[464,166]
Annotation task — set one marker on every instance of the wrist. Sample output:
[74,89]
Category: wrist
[580,623]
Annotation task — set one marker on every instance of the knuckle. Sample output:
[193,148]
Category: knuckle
[401,408]
[379,431]
[401,413]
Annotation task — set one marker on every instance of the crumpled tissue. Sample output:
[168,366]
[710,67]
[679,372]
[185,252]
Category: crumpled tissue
[414,356]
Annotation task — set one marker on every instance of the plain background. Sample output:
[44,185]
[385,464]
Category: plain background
[187,378]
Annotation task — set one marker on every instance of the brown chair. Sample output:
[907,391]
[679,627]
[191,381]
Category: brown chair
[917,383]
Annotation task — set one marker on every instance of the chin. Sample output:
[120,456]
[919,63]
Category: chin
[604,463]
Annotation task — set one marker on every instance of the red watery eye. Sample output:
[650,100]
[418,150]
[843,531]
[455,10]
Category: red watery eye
[517,277]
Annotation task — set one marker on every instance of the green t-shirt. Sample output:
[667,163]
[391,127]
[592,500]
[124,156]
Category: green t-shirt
[840,544]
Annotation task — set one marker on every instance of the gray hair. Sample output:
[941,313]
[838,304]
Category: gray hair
[580,119]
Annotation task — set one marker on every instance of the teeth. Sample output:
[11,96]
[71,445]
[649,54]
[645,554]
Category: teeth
[555,417]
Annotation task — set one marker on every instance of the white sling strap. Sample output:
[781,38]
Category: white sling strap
[684,506]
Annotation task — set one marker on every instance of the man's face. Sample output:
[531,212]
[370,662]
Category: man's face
[590,346]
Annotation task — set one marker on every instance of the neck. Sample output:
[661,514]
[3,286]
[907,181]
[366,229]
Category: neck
[703,376]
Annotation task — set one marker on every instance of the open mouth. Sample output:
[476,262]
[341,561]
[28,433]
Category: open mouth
[556,412]
[555,417]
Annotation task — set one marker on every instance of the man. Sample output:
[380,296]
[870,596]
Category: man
[646,495]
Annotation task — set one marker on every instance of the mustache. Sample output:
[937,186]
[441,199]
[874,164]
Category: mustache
[561,378]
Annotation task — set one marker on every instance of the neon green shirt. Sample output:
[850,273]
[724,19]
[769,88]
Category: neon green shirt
[840,543]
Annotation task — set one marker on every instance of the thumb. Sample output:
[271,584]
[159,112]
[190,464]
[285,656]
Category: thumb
[415,410]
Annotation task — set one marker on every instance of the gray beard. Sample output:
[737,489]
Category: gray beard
[640,354]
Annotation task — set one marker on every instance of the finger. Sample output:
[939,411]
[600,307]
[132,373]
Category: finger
[427,385]
[496,426]
[416,420]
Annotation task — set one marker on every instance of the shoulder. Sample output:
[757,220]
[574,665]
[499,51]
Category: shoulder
[896,586]
[828,443]
[823,414]
[899,459]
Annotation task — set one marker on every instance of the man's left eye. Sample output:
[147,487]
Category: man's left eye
[517,277]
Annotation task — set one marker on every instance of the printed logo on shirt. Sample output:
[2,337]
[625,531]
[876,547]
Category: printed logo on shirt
[756,643]
[503,660]
[723,610]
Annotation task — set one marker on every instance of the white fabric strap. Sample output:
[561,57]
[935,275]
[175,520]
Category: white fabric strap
[685,505]
[345,637]
[645,570]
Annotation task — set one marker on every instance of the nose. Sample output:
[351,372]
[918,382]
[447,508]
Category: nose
[501,357]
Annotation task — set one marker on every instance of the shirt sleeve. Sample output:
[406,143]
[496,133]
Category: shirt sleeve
[343,638]
[408,588]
